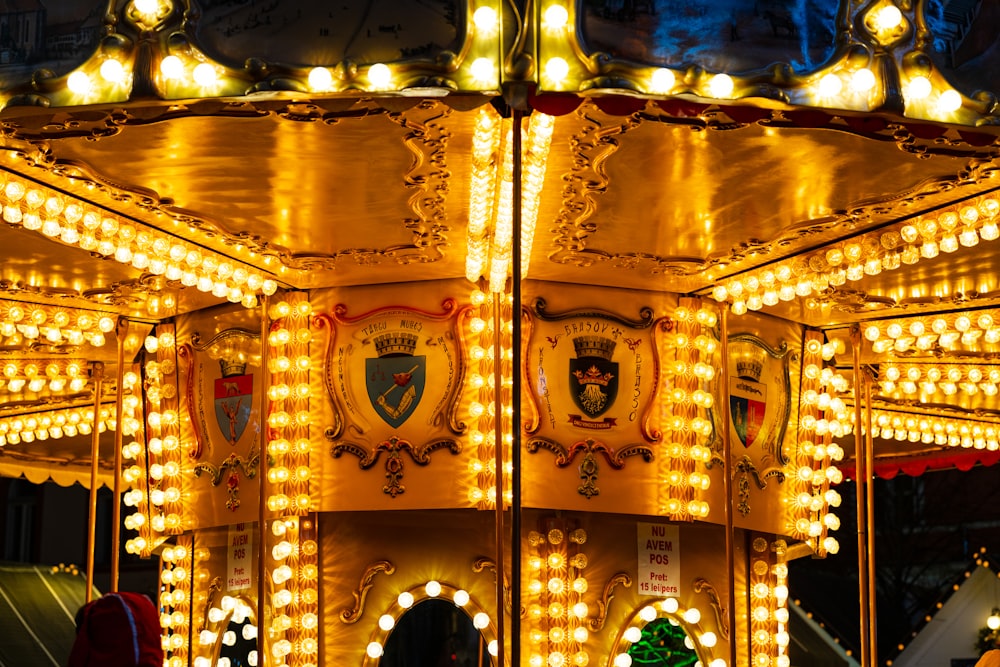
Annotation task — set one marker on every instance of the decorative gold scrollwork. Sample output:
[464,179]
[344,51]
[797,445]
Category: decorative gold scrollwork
[393,447]
[354,614]
[597,622]
[589,466]
[484,563]
[705,586]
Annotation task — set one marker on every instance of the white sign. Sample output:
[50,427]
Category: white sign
[659,560]
[239,561]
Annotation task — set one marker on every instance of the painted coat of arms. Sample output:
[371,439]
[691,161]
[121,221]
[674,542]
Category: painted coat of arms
[593,375]
[222,384]
[758,394]
[233,399]
[759,410]
[395,378]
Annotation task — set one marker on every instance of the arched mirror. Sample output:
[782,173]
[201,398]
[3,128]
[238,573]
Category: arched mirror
[239,641]
[435,633]
[663,644]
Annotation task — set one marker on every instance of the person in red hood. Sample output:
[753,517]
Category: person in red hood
[117,630]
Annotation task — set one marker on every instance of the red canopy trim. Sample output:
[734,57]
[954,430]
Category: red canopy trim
[914,466]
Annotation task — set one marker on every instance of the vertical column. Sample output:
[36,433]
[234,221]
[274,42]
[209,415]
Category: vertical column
[291,560]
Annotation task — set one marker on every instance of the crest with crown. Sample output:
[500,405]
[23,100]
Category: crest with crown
[594,346]
[395,343]
[750,368]
[233,365]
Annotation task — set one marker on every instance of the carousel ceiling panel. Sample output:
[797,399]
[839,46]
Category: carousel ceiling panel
[654,203]
[370,196]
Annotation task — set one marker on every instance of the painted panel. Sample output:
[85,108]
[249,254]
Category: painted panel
[57,35]
[305,33]
[720,35]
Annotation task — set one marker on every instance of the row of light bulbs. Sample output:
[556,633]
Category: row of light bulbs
[769,637]
[53,424]
[432,589]
[176,562]
[685,412]
[928,379]
[35,207]
[671,608]
[868,254]
[34,375]
[53,324]
[935,429]
[925,333]
[556,605]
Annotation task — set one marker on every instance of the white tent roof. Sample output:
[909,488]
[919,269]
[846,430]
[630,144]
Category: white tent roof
[953,630]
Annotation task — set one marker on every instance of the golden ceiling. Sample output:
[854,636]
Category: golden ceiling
[680,192]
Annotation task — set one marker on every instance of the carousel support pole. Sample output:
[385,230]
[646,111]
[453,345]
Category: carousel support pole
[515,398]
[116,505]
[498,467]
[97,374]
[865,601]
[727,484]
[870,517]
[262,647]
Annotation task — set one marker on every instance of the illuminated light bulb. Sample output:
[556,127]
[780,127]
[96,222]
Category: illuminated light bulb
[172,68]
[386,622]
[830,85]
[662,81]
[863,80]
[887,17]
[622,660]
[555,17]
[485,19]
[379,75]
[205,75]
[112,71]
[919,87]
[632,634]
[556,69]
[721,86]
[481,620]
[432,588]
[320,79]
[692,615]
[483,71]
[949,101]
[79,83]
[405,600]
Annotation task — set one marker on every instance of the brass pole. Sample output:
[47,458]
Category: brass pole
[97,373]
[727,480]
[262,647]
[116,504]
[515,399]
[870,519]
[861,484]
[498,467]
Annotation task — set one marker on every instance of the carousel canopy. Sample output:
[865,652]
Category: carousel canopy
[832,167]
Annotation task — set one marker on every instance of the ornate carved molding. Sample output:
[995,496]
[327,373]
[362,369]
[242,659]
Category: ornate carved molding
[229,468]
[589,467]
[353,614]
[596,623]
[702,585]
[393,448]
[484,563]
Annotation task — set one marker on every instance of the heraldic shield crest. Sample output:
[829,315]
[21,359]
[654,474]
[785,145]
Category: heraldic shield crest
[748,395]
[233,400]
[593,377]
[395,378]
